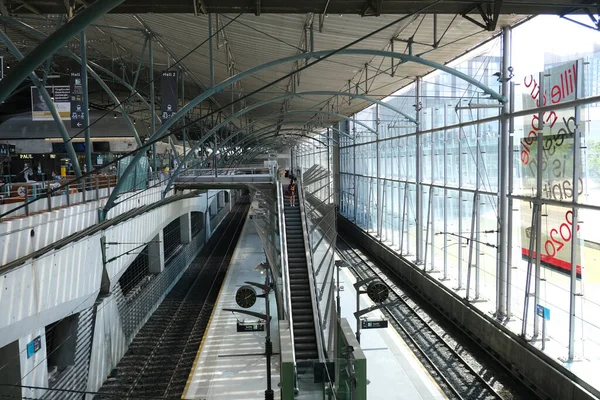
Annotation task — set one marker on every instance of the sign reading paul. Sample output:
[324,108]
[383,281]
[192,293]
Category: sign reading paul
[561,83]
[60,97]
[168,86]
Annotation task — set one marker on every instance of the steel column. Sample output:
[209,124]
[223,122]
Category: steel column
[182,104]
[139,67]
[86,106]
[505,152]
[210,53]
[54,42]
[59,22]
[51,107]
[576,253]
[152,104]
[419,177]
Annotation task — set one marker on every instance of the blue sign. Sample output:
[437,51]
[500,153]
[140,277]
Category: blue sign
[34,346]
[543,312]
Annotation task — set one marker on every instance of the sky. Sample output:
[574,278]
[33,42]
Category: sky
[549,34]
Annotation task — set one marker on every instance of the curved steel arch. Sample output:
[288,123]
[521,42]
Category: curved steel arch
[110,202]
[211,132]
[317,54]
[269,130]
[273,134]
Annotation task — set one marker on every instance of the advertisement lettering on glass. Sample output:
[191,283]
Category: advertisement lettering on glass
[556,158]
[563,89]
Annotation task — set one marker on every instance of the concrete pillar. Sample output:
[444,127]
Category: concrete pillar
[185,226]
[156,253]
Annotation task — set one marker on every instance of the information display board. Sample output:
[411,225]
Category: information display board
[61,99]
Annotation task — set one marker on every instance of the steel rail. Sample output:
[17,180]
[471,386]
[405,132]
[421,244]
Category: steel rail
[456,391]
[181,306]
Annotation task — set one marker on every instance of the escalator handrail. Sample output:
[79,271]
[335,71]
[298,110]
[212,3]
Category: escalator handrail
[319,333]
[285,271]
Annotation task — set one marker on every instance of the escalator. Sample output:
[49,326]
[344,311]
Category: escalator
[305,340]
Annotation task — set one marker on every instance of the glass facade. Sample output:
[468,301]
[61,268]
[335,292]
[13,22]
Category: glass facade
[431,191]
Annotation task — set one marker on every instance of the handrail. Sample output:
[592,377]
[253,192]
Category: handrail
[319,333]
[285,275]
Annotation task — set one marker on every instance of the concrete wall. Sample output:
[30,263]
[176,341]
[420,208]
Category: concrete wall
[535,367]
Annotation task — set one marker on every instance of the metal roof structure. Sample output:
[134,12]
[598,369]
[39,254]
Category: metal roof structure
[358,7]
[246,41]
[238,37]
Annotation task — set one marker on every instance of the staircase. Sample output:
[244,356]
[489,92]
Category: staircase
[305,340]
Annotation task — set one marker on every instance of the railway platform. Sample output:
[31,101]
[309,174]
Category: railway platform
[393,372]
[230,364]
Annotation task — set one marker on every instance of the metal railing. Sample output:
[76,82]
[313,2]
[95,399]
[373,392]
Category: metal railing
[225,171]
[21,199]
[285,272]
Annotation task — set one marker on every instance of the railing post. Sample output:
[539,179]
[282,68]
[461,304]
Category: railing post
[49,195]
[83,184]
[27,200]
[68,193]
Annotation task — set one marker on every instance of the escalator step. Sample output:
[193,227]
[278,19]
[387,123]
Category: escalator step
[304,325]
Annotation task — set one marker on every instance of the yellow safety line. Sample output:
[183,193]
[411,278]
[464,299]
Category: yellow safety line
[212,314]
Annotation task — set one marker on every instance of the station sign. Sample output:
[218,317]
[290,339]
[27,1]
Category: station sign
[60,97]
[168,90]
[256,327]
[34,346]
[77,111]
[375,324]
[542,311]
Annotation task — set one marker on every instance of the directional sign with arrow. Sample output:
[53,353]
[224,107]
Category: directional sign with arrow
[77,111]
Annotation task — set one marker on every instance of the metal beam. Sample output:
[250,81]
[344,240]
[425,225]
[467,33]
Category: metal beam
[318,54]
[49,60]
[51,107]
[54,42]
[93,74]
[230,137]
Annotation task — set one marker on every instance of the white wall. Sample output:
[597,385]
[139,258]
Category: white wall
[67,280]
[15,235]
[34,371]
[48,288]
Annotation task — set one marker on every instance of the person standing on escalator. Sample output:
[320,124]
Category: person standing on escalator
[291,190]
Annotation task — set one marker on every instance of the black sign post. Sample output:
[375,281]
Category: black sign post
[168,89]
[77,111]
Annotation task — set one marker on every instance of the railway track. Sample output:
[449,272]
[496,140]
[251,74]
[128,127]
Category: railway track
[159,359]
[459,366]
